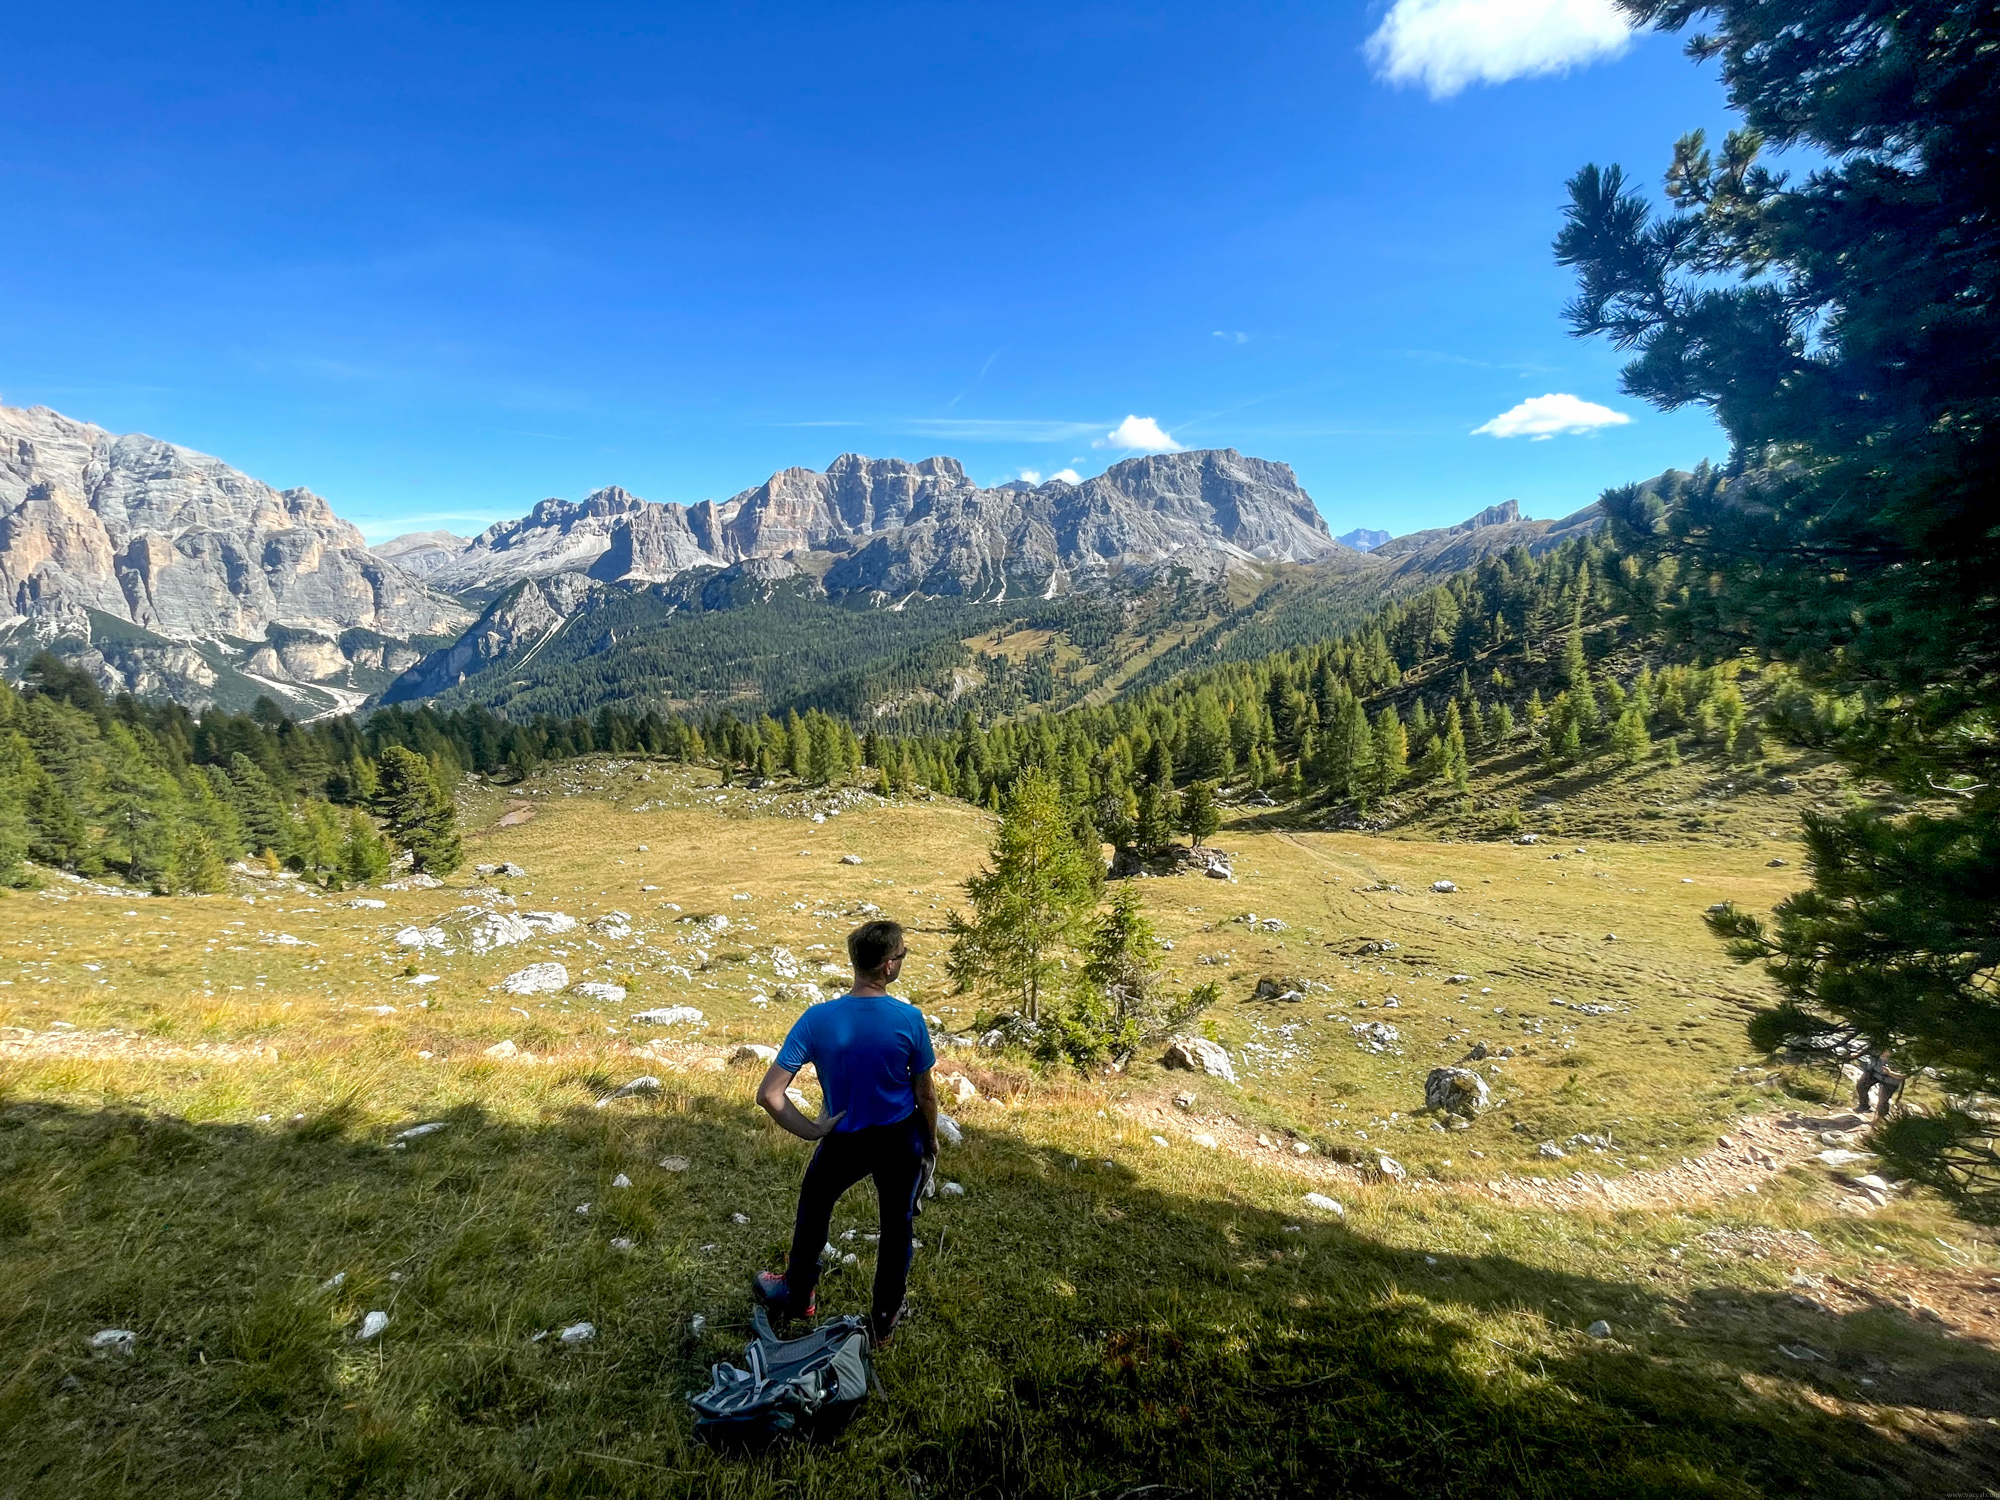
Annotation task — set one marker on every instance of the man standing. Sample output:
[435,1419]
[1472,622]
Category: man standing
[874,1059]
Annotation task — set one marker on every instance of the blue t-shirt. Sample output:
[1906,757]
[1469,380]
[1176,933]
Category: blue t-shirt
[867,1049]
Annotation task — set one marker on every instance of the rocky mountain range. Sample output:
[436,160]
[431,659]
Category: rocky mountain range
[167,573]
[170,573]
[888,526]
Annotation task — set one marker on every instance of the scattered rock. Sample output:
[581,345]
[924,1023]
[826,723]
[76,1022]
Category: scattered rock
[621,1243]
[1376,1036]
[672,1015]
[537,979]
[1270,987]
[1325,1204]
[621,1181]
[1777,864]
[1456,1091]
[957,1088]
[1443,887]
[1204,1139]
[850,859]
[674,1163]
[952,1189]
[367,903]
[1184,1101]
[948,1131]
[609,994]
[1392,1169]
[753,1052]
[1198,1054]
[577,1333]
[1551,1150]
[429,1127]
[506,1049]
[371,1327]
[1843,1158]
[644,1084]
[1598,1330]
[113,1341]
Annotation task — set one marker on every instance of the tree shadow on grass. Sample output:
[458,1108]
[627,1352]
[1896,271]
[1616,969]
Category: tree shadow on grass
[1078,1332]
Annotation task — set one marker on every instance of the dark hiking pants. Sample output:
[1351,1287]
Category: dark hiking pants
[894,1156]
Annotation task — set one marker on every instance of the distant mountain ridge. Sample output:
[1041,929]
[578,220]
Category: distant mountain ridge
[887,525]
[166,573]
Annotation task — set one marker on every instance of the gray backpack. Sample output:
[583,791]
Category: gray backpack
[805,1387]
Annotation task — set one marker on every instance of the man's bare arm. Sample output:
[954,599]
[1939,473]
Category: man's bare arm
[927,1106]
[778,1104]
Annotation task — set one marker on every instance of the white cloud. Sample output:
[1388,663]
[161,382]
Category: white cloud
[1067,476]
[1542,417]
[1033,476]
[1447,45]
[1138,435]
[1229,337]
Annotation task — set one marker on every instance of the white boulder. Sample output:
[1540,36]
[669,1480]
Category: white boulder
[1199,1055]
[537,979]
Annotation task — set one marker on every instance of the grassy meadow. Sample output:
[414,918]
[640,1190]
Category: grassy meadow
[203,1103]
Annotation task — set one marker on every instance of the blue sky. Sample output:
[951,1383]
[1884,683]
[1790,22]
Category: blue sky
[437,263]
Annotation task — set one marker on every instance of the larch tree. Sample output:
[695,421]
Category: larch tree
[1027,906]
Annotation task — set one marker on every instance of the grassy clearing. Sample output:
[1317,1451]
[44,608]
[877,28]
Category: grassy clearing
[1098,1313]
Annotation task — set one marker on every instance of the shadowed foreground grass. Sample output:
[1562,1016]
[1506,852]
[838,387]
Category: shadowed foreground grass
[1094,1318]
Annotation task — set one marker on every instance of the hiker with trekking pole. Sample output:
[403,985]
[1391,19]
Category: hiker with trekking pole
[873,1056]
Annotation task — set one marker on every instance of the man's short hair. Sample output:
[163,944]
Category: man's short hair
[872,944]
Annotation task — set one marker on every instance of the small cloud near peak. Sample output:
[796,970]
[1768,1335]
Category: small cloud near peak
[1232,337]
[1542,417]
[1033,476]
[1067,476]
[1448,45]
[1138,435]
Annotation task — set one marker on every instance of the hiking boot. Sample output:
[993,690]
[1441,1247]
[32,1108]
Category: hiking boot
[774,1292]
[882,1328]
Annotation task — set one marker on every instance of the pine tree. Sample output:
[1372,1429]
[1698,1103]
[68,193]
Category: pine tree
[364,857]
[1575,665]
[1158,816]
[1113,1000]
[1199,814]
[1391,751]
[316,842]
[420,813]
[196,865]
[1027,906]
[1629,740]
[1456,766]
[1835,326]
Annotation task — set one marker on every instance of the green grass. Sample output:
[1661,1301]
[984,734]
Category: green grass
[1098,1314]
